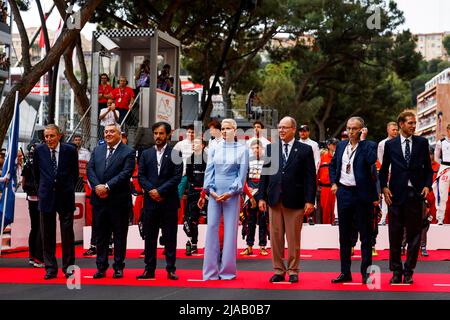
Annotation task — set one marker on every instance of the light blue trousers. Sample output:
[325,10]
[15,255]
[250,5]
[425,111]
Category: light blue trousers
[215,266]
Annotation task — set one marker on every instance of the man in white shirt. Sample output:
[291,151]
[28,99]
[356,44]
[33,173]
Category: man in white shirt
[258,127]
[392,131]
[186,148]
[442,182]
[109,115]
[304,138]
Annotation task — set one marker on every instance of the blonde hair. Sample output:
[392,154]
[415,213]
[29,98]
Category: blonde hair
[232,122]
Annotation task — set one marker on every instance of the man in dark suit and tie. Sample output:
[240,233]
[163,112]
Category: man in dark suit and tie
[409,184]
[109,172]
[355,188]
[160,171]
[56,174]
[288,187]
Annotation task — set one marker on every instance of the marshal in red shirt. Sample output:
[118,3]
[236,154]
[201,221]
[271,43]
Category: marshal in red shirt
[107,89]
[122,97]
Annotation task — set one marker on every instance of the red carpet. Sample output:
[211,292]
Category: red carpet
[323,254]
[245,280]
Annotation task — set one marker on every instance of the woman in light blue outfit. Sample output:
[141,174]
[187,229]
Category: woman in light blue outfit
[225,176]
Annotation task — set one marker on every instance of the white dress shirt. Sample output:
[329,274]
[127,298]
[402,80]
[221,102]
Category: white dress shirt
[348,179]
[290,144]
[159,154]
[56,153]
[403,144]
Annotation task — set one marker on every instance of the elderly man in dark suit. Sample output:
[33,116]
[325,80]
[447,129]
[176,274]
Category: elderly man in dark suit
[56,174]
[409,184]
[289,191]
[160,171]
[109,172]
[355,188]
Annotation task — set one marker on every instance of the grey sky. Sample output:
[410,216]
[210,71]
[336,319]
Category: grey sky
[425,16]
[422,16]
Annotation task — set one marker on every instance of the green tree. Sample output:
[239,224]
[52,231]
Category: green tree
[446,43]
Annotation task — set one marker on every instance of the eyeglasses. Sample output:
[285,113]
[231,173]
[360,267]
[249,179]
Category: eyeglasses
[283,128]
[352,128]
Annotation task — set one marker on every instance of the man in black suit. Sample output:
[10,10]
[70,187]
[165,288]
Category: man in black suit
[160,171]
[354,184]
[109,171]
[289,191]
[409,184]
[56,174]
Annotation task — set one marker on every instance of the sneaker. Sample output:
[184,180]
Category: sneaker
[353,251]
[403,252]
[188,248]
[248,251]
[440,223]
[194,249]
[336,222]
[374,252]
[424,252]
[142,254]
[263,251]
[92,251]
[31,262]
[383,223]
[39,265]
[310,221]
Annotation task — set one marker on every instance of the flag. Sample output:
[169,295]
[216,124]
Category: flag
[8,196]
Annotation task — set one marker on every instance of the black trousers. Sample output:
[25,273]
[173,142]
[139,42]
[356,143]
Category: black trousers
[48,230]
[192,213]
[168,220]
[354,212]
[256,217]
[407,217]
[109,219]
[35,236]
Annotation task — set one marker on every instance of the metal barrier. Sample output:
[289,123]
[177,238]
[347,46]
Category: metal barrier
[268,116]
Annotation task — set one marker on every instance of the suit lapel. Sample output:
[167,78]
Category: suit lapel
[292,153]
[114,156]
[398,148]
[165,157]
[414,148]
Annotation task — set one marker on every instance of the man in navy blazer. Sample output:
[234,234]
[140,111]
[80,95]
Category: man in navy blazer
[289,191]
[405,191]
[109,172]
[354,184]
[160,171]
[56,174]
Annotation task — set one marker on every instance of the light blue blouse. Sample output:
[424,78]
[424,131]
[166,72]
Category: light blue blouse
[226,169]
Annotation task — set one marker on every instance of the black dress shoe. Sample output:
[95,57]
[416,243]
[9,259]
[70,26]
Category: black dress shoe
[118,274]
[396,278]
[99,275]
[146,275]
[172,276]
[366,279]
[408,279]
[342,278]
[293,278]
[277,278]
[50,275]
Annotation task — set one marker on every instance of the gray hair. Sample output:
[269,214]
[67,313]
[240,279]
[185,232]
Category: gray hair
[116,125]
[230,121]
[53,126]
[359,119]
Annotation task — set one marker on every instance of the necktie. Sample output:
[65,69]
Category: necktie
[285,154]
[54,163]
[407,152]
[111,150]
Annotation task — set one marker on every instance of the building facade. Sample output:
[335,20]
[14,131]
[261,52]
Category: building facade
[430,45]
[433,108]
